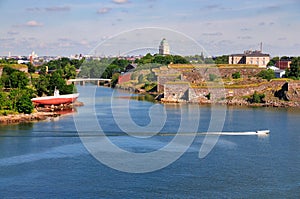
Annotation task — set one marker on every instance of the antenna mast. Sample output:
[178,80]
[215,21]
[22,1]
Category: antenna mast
[261,46]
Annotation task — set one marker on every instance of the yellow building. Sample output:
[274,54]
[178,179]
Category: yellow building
[250,58]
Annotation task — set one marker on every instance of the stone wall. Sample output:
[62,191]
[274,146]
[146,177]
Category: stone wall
[221,93]
[163,79]
[200,75]
[294,91]
[174,91]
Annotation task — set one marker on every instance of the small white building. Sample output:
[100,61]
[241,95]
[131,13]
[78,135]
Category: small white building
[279,73]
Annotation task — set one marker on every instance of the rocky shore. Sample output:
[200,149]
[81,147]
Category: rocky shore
[242,102]
[235,101]
[24,118]
[39,114]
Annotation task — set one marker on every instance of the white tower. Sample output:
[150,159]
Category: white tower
[164,48]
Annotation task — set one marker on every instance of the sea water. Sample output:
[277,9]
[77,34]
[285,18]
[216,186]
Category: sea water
[48,159]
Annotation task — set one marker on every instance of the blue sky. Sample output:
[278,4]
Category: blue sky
[65,27]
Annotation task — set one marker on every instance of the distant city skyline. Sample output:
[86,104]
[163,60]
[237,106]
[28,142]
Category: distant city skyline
[72,27]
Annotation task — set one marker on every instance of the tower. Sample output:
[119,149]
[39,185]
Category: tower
[164,48]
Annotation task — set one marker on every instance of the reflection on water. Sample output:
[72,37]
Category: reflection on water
[142,97]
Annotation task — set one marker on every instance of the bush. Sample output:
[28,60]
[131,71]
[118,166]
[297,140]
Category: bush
[133,76]
[114,79]
[212,77]
[151,77]
[267,74]
[257,98]
[236,75]
[141,78]
[294,71]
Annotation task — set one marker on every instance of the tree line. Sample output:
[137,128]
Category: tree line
[17,87]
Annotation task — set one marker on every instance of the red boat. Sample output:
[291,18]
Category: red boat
[57,99]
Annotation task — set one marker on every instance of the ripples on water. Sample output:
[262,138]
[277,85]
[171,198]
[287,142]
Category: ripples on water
[47,159]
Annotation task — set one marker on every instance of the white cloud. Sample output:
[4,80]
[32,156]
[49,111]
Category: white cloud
[33,23]
[120,1]
[103,10]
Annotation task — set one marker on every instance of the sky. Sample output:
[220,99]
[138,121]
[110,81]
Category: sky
[69,27]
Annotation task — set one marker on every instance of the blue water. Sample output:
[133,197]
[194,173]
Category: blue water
[48,160]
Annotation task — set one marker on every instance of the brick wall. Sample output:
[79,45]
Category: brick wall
[126,77]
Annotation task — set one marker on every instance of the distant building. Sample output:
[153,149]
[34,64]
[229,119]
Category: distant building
[251,58]
[164,48]
[130,67]
[32,57]
[283,64]
[279,73]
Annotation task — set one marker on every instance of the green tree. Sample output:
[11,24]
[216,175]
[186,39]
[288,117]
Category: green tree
[31,68]
[56,81]
[14,96]
[147,59]
[43,70]
[267,74]
[5,103]
[177,59]
[18,79]
[5,80]
[111,69]
[24,104]
[9,70]
[165,60]
[122,63]
[224,59]
[69,71]
[273,61]
[41,83]
[114,79]
[209,60]
[294,70]
[12,78]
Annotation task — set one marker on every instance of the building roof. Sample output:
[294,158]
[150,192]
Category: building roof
[163,42]
[249,53]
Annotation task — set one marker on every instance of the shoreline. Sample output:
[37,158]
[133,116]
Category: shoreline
[26,118]
[232,102]
[273,104]
[41,114]
[36,116]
